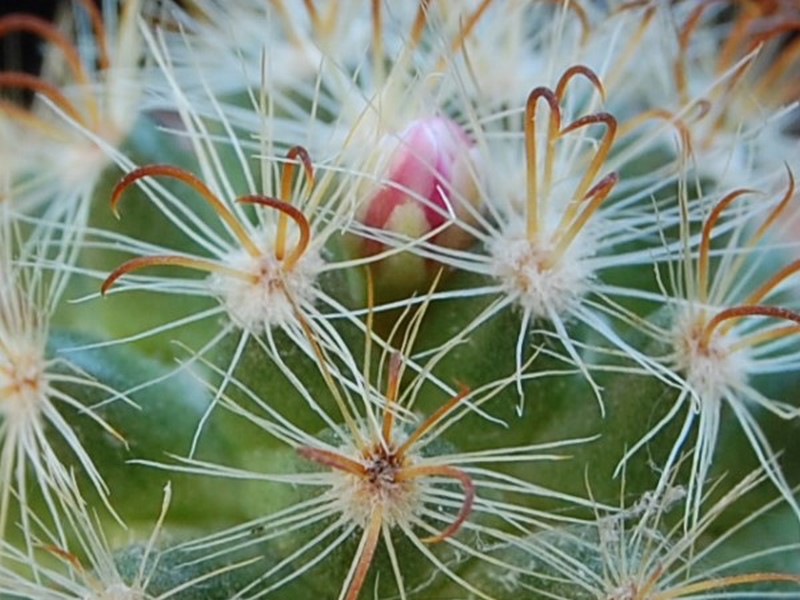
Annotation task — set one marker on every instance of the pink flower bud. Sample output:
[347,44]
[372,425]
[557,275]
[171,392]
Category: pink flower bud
[430,180]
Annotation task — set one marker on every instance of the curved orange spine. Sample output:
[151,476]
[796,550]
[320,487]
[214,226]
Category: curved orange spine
[333,460]
[469,24]
[366,551]
[65,555]
[705,240]
[720,582]
[739,312]
[313,15]
[580,12]
[377,40]
[99,32]
[20,114]
[296,216]
[46,31]
[36,84]
[437,416]
[787,57]
[392,391]
[419,23]
[602,150]
[553,128]
[574,71]
[764,336]
[192,181]
[684,35]
[445,471]
[287,174]
[768,34]
[595,196]
[199,264]
[661,113]
[733,41]
[776,212]
[772,283]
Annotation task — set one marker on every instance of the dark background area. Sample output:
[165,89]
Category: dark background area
[21,51]
[42,7]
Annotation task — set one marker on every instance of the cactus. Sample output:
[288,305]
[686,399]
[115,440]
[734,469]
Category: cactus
[401,300]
